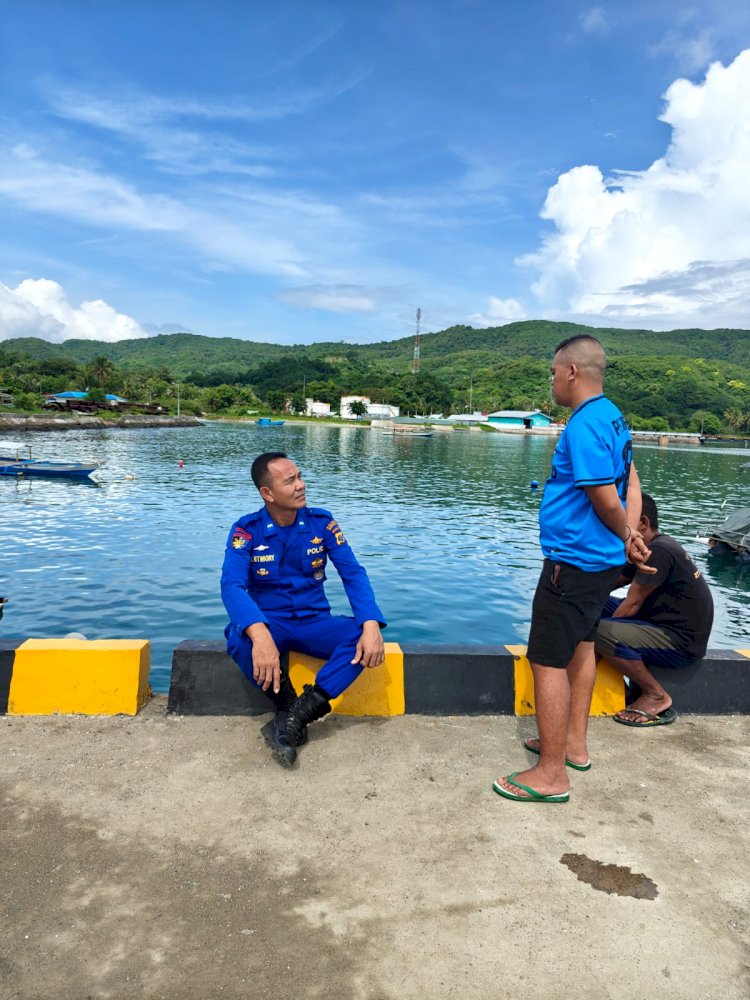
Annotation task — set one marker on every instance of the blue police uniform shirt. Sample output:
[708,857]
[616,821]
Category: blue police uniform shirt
[594,449]
[279,572]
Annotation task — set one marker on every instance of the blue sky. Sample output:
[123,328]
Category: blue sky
[310,171]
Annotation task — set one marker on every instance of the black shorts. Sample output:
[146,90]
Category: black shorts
[567,607]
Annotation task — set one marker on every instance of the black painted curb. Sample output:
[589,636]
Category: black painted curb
[458,680]
[718,685]
[444,680]
[206,681]
[8,649]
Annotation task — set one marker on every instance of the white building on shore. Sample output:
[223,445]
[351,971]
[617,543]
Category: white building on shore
[468,418]
[378,411]
[315,408]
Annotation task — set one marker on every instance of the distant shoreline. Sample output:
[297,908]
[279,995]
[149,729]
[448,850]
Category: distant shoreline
[37,422]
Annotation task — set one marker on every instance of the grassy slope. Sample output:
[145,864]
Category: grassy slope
[449,352]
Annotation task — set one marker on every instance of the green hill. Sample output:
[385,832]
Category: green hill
[677,376]
[458,346]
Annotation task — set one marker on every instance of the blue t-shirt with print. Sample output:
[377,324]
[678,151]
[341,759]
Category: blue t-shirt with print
[595,449]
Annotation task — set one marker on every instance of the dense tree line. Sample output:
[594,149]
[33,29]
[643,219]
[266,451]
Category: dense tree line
[463,369]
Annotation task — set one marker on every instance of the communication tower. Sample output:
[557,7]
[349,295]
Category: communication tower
[415,363]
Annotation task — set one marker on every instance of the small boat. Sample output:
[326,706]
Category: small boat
[14,463]
[732,536]
[410,430]
[267,422]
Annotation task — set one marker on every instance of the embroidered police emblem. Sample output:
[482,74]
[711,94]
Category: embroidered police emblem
[339,536]
[240,538]
[316,562]
[319,575]
[262,572]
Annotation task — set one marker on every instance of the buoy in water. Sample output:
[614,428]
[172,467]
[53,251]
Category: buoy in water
[129,475]
[534,484]
[180,464]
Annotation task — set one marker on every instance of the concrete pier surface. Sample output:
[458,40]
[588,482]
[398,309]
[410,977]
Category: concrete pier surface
[169,857]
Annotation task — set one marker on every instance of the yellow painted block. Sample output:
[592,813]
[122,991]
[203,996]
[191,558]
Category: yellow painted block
[745,652]
[377,690]
[609,690]
[523,681]
[80,677]
[609,687]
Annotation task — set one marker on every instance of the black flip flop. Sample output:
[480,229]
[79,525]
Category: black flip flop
[665,718]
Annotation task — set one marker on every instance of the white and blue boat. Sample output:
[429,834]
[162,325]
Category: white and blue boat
[17,460]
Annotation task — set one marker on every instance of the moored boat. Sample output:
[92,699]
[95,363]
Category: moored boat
[13,462]
[732,536]
[267,422]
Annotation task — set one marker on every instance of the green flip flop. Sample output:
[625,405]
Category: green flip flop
[568,763]
[533,795]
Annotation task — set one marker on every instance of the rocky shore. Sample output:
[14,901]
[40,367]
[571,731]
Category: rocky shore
[67,422]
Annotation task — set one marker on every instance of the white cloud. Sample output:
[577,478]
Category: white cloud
[40,308]
[690,53]
[172,130]
[595,21]
[499,311]
[331,298]
[220,229]
[667,245]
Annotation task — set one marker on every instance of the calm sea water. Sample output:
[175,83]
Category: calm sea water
[446,526]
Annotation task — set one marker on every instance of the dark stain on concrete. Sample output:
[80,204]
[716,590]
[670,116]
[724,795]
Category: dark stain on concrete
[93,914]
[646,816]
[613,879]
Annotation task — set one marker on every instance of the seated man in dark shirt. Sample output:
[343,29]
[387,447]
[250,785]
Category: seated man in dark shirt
[664,621]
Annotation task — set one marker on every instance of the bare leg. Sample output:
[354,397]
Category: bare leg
[653,697]
[582,674]
[553,698]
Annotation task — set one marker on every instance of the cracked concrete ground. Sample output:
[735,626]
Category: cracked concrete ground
[163,857]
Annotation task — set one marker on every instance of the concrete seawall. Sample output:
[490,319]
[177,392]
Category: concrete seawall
[110,677]
[64,422]
[423,679]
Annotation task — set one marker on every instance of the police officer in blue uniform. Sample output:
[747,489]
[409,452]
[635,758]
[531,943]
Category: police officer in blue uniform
[272,587]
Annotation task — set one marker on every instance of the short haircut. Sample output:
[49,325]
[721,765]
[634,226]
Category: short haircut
[259,468]
[648,509]
[585,351]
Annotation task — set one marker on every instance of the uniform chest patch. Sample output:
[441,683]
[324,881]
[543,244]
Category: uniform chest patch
[240,538]
[315,549]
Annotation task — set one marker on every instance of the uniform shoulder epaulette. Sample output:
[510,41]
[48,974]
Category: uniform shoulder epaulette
[246,519]
[320,511]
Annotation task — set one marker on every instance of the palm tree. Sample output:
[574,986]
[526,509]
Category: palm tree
[101,369]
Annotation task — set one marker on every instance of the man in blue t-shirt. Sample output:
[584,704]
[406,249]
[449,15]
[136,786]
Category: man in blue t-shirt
[588,523]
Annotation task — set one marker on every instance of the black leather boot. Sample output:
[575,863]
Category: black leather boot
[312,704]
[275,731]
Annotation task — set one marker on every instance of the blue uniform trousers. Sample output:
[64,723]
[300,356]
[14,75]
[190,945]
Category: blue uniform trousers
[332,638]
